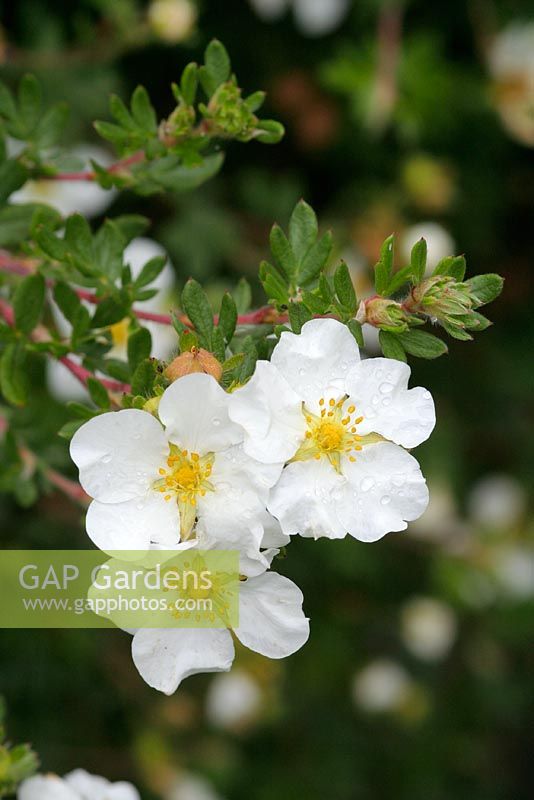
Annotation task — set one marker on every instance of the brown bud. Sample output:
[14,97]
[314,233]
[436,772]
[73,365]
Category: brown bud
[194,360]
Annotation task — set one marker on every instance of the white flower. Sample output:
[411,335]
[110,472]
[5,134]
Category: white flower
[428,628]
[497,501]
[381,686]
[338,422]
[312,17]
[85,197]
[77,785]
[233,700]
[166,481]
[61,383]
[439,242]
[271,622]
[172,20]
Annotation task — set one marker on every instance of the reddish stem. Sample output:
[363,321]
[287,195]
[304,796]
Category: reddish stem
[136,158]
[77,370]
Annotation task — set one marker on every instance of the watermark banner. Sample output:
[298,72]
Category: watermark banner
[127,589]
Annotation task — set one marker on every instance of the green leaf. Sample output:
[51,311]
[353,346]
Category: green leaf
[476,322]
[168,173]
[228,317]
[131,226]
[391,346]
[384,267]
[189,83]
[69,429]
[29,99]
[418,259]
[454,266]
[67,300]
[28,302]
[98,393]
[12,176]
[399,278]
[143,110]
[457,332]
[271,131]
[144,377]
[274,284]
[13,378]
[422,344]
[282,252]
[217,62]
[79,237]
[298,316]
[345,289]
[303,229]
[139,347]
[197,307]
[7,104]
[217,344]
[108,312]
[150,271]
[255,101]
[50,127]
[248,364]
[485,288]
[316,260]
[242,295]
[356,329]
[17,220]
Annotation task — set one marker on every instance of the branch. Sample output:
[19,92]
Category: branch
[118,167]
[40,334]
[262,316]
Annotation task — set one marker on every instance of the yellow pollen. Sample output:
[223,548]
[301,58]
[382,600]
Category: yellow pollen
[351,409]
[331,433]
[321,401]
[331,402]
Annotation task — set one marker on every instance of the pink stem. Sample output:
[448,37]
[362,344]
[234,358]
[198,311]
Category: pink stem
[136,158]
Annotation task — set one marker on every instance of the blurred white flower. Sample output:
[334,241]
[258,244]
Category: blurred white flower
[381,686]
[77,785]
[511,62]
[439,241]
[312,17]
[428,628]
[68,197]
[234,700]
[172,20]
[497,501]
[191,787]
[514,569]
[61,383]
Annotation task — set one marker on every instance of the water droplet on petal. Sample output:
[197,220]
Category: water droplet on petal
[367,484]
[386,401]
[385,500]
[106,459]
[216,421]
[385,388]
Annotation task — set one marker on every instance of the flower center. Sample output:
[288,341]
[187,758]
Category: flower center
[119,332]
[331,433]
[185,478]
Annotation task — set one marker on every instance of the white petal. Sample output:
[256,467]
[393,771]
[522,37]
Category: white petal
[378,388]
[271,620]
[133,525]
[194,410]
[317,359]
[271,414]
[385,490]
[165,657]
[305,500]
[93,787]
[46,787]
[119,454]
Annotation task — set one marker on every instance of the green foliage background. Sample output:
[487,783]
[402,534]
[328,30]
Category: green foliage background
[464,734]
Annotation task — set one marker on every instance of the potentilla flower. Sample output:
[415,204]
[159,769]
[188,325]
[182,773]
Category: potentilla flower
[271,622]
[341,426]
[77,785]
[172,480]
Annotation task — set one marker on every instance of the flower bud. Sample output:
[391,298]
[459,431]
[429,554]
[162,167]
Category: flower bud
[442,298]
[383,313]
[195,360]
[229,116]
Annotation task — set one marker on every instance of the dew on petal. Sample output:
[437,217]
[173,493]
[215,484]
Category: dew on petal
[385,500]
[385,388]
[367,484]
